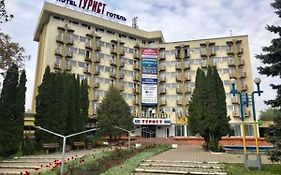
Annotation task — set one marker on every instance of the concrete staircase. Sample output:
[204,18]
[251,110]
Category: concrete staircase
[179,167]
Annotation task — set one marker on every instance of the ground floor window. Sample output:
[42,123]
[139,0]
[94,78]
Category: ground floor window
[249,129]
[235,130]
[179,130]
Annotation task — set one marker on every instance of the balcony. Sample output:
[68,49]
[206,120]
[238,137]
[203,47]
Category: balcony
[112,75]
[162,91]
[203,52]
[88,44]
[232,75]
[136,66]
[239,49]
[57,66]
[188,90]
[234,100]
[137,54]
[242,74]
[121,88]
[68,67]
[122,51]
[178,78]
[97,59]
[87,70]
[247,113]
[162,79]
[69,54]
[87,59]
[204,65]
[58,51]
[162,68]
[162,103]
[244,87]
[96,97]
[98,45]
[136,90]
[121,76]
[229,50]
[179,102]
[186,53]
[179,90]
[187,78]
[136,78]
[122,63]
[96,85]
[113,50]
[97,71]
[235,114]
[231,63]
[112,62]
[186,66]
[162,56]
[59,38]
[70,40]
[136,102]
[178,66]
[241,62]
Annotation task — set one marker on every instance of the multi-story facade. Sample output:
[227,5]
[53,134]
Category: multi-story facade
[108,53]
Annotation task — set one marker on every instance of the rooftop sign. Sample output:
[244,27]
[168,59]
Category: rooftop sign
[95,7]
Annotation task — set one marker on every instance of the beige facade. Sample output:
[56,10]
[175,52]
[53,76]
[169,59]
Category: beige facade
[107,53]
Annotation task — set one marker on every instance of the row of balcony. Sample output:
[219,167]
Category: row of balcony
[68,40]
[232,63]
[231,51]
[96,46]
[58,52]
[114,63]
[113,50]
[247,113]
[185,67]
[240,75]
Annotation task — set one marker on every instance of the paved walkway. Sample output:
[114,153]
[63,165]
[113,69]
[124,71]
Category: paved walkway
[189,159]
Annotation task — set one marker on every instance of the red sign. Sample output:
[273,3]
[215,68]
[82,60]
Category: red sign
[148,51]
[152,121]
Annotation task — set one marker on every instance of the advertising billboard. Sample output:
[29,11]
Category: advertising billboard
[149,76]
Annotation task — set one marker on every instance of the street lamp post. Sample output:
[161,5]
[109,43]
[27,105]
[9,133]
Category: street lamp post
[244,101]
[64,141]
[150,133]
[129,133]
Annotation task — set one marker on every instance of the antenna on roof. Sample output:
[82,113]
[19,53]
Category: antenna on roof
[134,22]
[230,32]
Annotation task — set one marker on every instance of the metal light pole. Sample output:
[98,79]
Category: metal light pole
[150,133]
[129,134]
[244,101]
[64,142]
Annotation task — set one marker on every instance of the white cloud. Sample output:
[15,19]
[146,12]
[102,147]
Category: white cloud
[178,20]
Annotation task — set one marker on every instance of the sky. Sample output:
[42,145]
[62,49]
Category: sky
[178,20]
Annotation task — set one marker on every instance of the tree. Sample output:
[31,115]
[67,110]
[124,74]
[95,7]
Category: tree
[207,110]
[272,67]
[58,106]
[4,16]
[269,114]
[11,111]
[113,111]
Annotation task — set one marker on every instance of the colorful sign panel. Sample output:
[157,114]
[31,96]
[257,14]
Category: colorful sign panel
[147,121]
[149,76]
[91,6]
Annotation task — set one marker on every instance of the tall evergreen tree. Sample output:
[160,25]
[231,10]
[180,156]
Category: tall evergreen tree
[11,112]
[272,67]
[113,111]
[207,110]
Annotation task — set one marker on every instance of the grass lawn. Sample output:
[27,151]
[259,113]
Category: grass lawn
[238,169]
[129,165]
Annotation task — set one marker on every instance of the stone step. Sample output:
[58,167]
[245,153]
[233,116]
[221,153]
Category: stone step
[14,171]
[169,170]
[204,166]
[182,161]
[11,166]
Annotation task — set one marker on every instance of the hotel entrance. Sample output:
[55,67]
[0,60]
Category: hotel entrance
[148,131]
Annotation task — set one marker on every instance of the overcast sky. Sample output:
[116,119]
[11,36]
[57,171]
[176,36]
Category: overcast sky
[178,20]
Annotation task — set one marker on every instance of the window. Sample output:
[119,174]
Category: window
[110,32]
[81,52]
[179,130]
[82,39]
[235,130]
[249,130]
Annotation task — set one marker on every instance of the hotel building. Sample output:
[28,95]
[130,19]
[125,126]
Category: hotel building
[107,52]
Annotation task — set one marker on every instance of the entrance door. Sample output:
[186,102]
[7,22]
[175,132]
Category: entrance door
[168,132]
[148,131]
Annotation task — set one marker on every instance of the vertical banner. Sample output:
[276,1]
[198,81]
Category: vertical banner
[149,76]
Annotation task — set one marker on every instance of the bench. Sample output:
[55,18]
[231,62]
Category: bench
[79,144]
[50,146]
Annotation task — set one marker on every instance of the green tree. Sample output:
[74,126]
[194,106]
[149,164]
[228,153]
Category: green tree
[272,67]
[11,111]
[4,16]
[113,111]
[207,110]
[269,114]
